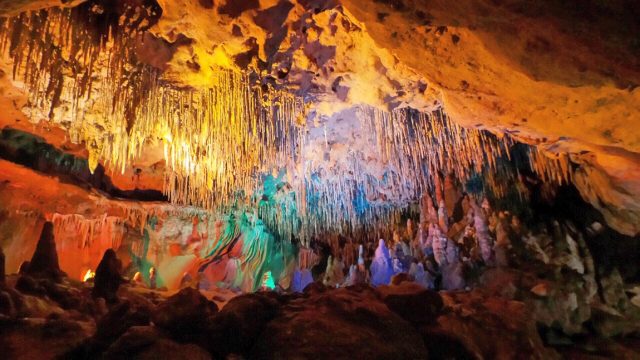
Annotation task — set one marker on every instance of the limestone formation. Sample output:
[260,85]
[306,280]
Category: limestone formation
[381,267]
[44,262]
[108,279]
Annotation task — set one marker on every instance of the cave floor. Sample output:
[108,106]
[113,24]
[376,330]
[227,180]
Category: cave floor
[395,321]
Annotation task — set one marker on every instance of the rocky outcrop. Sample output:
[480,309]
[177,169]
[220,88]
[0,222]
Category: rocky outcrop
[487,327]
[236,328]
[412,302]
[185,315]
[146,342]
[110,327]
[339,323]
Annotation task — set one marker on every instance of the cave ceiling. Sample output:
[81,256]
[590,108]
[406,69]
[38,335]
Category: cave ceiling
[551,75]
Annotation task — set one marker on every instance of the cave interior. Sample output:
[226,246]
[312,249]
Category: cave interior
[310,179]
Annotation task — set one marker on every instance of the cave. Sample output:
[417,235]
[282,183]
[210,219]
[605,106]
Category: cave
[316,179]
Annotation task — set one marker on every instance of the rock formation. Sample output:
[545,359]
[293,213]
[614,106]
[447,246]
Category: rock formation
[44,262]
[381,267]
[108,278]
[235,153]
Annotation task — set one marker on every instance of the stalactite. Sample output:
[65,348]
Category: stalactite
[109,231]
[80,68]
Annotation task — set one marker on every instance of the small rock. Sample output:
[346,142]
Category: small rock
[541,289]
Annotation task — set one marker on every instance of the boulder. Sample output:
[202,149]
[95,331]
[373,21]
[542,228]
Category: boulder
[486,326]
[412,302]
[147,342]
[235,328]
[110,327]
[120,318]
[340,323]
[185,314]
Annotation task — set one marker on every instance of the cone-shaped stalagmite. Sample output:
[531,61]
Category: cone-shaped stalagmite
[44,262]
[107,279]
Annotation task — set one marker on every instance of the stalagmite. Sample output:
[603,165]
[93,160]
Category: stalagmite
[329,273]
[108,279]
[451,193]
[482,233]
[44,262]
[440,248]
[301,278]
[443,220]
[233,274]
[352,277]
[381,267]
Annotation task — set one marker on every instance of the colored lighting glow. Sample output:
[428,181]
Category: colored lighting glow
[88,275]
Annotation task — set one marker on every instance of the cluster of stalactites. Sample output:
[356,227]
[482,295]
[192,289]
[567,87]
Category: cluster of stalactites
[219,140]
[80,69]
[109,231]
[111,228]
[551,168]
[416,147]
[421,151]
[66,56]
[419,145]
